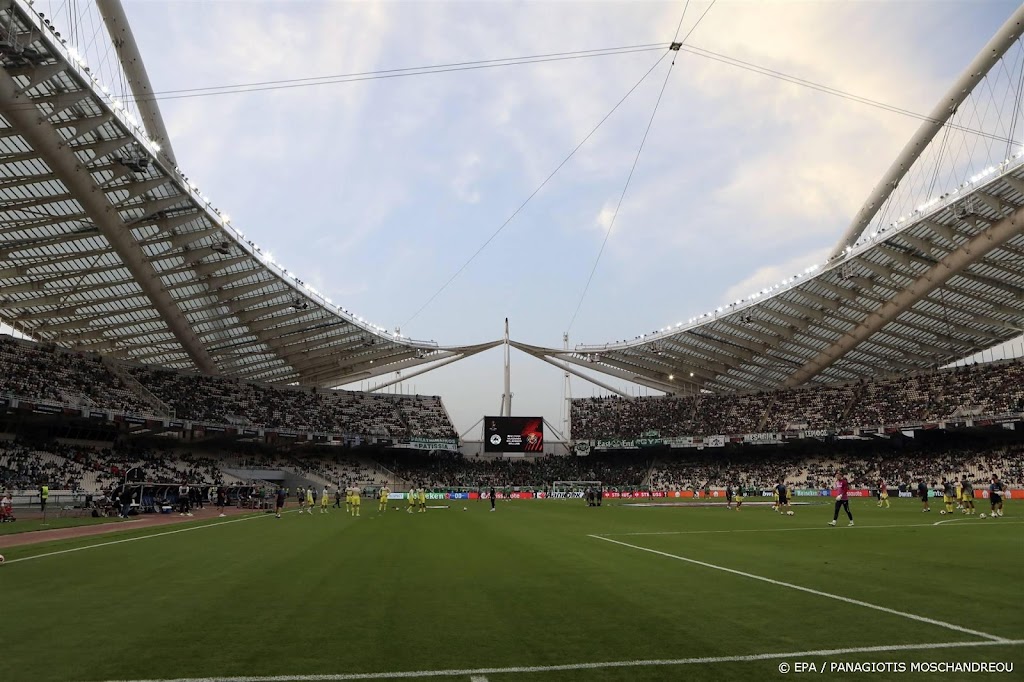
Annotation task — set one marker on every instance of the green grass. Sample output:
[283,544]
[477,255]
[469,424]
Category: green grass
[526,586]
[27,525]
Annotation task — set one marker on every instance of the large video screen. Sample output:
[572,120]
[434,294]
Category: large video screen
[513,434]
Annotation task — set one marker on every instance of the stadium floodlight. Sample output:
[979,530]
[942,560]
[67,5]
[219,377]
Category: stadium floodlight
[671,377]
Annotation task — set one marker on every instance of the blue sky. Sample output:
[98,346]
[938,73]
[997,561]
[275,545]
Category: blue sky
[377,192]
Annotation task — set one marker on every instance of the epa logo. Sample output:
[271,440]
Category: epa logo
[495,439]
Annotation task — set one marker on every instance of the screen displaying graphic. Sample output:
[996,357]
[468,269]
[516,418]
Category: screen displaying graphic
[513,434]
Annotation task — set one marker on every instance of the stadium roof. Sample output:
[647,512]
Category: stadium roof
[940,286]
[106,246]
[935,285]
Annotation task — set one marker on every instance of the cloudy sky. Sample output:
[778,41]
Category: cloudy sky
[377,192]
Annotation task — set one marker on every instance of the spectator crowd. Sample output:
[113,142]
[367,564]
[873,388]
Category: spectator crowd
[44,372]
[960,393]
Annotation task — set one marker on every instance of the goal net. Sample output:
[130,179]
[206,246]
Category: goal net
[562,489]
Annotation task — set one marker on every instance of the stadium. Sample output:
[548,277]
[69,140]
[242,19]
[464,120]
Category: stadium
[209,470]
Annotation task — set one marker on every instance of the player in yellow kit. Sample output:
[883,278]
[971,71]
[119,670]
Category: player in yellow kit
[422,495]
[412,501]
[383,499]
[309,499]
[348,500]
[355,500]
[324,499]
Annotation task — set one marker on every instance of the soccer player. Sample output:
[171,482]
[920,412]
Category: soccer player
[337,497]
[707,490]
[383,499]
[355,500]
[967,494]
[325,497]
[423,500]
[783,495]
[883,493]
[775,499]
[222,499]
[995,496]
[959,494]
[411,506]
[282,496]
[842,499]
[739,495]
[348,499]
[948,495]
[493,495]
[922,492]
[300,495]
[310,499]
[728,495]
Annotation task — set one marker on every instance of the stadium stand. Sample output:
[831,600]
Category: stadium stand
[45,373]
[23,467]
[449,469]
[971,392]
[761,471]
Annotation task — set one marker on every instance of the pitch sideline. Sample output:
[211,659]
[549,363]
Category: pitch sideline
[140,537]
[788,530]
[809,590]
[649,663]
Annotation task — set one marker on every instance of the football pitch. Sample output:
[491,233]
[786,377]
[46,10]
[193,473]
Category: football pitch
[551,591]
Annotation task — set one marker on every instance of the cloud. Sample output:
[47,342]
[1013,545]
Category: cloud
[770,275]
[605,217]
[466,176]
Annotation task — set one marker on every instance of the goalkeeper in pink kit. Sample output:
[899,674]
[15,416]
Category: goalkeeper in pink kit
[842,499]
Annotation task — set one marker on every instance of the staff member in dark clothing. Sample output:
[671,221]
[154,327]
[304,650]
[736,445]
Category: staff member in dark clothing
[493,495]
[995,496]
[282,496]
[783,492]
[922,492]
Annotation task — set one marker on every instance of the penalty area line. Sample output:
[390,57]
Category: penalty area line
[829,595]
[648,663]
